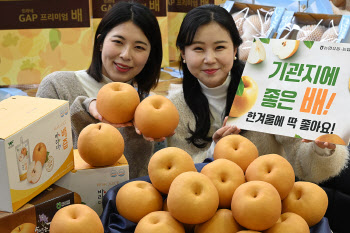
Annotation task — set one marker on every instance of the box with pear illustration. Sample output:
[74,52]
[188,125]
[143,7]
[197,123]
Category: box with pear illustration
[36,147]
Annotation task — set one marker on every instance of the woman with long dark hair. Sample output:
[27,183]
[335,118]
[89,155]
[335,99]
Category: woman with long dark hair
[127,48]
[208,41]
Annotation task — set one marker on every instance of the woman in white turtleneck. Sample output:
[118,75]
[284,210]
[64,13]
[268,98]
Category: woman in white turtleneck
[208,40]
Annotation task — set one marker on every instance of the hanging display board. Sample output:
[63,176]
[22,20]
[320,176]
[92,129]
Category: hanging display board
[33,14]
[100,7]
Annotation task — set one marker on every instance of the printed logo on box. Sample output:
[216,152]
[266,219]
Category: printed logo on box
[62,204]
[114,173]
[63,112]
[121,172]
[10,144]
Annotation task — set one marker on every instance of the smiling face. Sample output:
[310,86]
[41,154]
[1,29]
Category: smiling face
[211,55]
[125,52]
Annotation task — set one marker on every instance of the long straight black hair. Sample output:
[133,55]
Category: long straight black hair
[195,99]
[142,17]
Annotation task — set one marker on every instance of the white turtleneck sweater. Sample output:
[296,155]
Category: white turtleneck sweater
[217,103]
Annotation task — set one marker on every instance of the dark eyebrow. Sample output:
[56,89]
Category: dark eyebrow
[216,42]
[138,41]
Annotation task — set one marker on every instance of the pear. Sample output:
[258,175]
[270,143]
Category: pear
[257,52]
[284,48]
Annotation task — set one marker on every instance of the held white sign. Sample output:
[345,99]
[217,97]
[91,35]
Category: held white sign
[295,88]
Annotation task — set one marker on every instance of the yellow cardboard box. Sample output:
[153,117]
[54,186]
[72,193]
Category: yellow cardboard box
[92,183]
[32,129]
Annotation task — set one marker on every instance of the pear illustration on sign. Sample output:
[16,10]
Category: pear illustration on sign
[257,52]
[245,98]
[284,48]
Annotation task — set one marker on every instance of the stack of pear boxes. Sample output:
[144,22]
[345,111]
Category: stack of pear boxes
[36,150]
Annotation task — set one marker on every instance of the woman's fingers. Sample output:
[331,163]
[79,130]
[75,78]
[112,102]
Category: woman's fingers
[237,130]
[325,145]
[224,131]
[330,145]
[93,111]
[218,134]
[154,139]
[231,130]
[321,144]
[306,140]
[225,121]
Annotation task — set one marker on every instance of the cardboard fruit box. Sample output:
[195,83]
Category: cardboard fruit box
[36,147]
[253,21]
[38,213]
[92,183]
[314,27]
